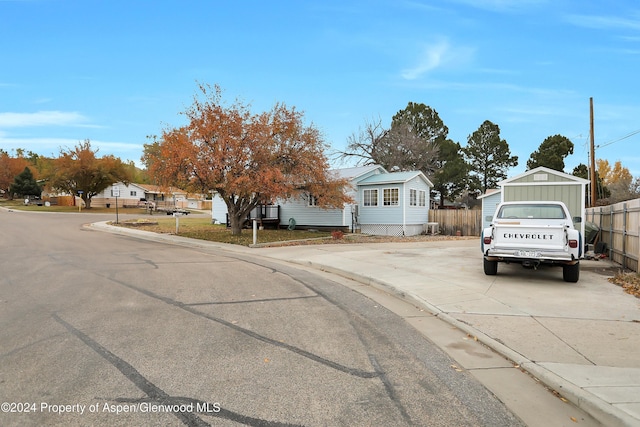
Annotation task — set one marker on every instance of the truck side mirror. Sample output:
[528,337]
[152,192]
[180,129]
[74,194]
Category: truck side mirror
[577,219]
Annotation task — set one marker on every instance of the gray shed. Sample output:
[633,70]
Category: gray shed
[542,184]
[490,201]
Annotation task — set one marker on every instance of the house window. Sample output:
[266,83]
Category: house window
[370,198]
[413,197]
[132,193]
[390,197]
[313,201]
[422,198]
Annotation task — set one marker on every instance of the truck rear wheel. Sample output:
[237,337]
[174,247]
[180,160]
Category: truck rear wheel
[490,267]
[571,273]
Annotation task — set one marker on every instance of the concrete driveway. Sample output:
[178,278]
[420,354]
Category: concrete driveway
[579,338]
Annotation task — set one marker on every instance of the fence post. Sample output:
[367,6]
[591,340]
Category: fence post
[624,236]
[611,232]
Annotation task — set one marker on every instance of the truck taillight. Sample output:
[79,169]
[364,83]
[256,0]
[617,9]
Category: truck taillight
[573,244]
[487,240]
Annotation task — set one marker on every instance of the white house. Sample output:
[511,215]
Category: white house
[386,203]
[131,195]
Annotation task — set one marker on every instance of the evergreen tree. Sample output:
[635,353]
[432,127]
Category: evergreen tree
[424,121]
[25,185]
[451,176]
[551,153]
[489,157]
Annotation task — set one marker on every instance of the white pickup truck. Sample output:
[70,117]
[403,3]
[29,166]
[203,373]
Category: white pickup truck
[533,233]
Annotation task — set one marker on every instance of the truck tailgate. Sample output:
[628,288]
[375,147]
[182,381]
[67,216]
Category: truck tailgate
[523,236]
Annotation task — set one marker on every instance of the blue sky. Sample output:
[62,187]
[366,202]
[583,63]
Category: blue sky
[115,71]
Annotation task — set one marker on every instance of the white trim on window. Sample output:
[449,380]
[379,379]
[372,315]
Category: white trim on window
[413,197]
[390,196]
[312,201]
[370,197]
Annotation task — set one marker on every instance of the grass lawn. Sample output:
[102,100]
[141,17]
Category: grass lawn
[201,228]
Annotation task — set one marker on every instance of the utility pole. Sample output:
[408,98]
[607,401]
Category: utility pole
[593,157]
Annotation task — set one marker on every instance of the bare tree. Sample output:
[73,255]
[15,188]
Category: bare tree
[360,144]
[397,148]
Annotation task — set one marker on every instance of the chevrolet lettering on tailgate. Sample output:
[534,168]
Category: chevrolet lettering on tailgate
[528,236]
[533,233]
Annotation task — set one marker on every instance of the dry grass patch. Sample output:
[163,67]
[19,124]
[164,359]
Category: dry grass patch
[201,228]
[630,282]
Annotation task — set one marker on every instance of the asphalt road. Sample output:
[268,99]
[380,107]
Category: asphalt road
[105,330]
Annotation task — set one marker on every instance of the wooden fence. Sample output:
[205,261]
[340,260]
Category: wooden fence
[619,231]
[451,221]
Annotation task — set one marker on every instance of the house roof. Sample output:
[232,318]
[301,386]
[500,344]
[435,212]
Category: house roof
[542,169]
[395,178]
[355,172]
[156,189]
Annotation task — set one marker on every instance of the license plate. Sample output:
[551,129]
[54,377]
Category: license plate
[528,254]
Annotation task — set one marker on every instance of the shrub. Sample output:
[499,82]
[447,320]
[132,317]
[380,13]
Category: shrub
[337,235]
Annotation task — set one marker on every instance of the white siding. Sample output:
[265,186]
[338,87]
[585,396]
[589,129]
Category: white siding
[402,219]
[311,216]
[218,209]
[416,215]
[124,199]
[381,214]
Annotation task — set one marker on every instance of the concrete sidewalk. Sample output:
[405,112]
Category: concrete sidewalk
[580,339]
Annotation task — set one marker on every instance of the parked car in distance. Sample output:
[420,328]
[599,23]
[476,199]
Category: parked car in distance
[171,211]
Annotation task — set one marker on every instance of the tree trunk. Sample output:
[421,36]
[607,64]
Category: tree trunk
[236,224]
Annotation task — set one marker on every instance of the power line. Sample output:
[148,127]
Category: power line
[619,139]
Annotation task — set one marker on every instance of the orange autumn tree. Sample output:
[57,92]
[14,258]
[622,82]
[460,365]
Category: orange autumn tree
[248,159]
[10,167]
[79,169]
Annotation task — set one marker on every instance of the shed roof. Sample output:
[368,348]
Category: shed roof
[489,192]
[566,178]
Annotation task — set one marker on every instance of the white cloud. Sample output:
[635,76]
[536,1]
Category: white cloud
[502,5]
[42,118]
[604,22]
[437,55]
[51,146]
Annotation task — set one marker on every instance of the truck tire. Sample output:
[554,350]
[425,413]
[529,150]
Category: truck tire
[571,273]
[490,267]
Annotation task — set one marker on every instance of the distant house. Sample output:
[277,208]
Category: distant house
[395,203]
[139,195]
